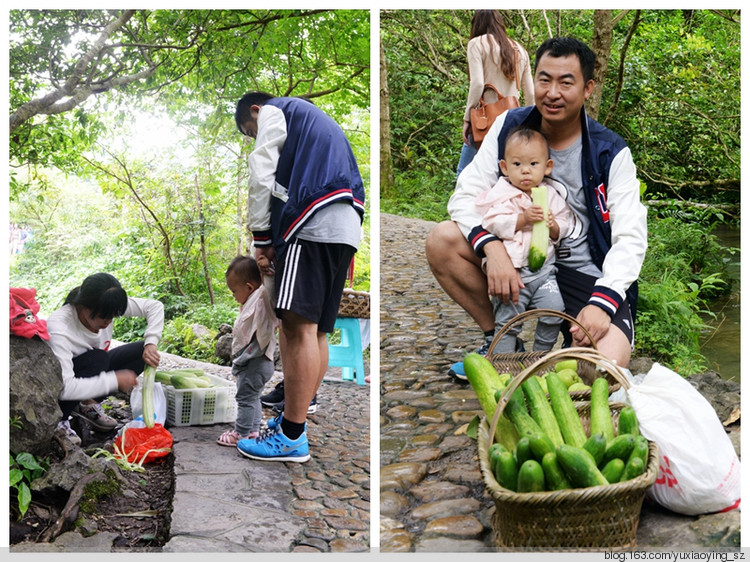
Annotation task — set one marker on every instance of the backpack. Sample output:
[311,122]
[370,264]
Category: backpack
[24,321]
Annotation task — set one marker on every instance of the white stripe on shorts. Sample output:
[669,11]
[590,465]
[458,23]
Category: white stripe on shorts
[291,265]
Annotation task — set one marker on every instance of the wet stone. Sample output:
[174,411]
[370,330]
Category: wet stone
[455,443]
[438,490]
[460,527]
[424,440]
[348,545]
[406,472]
[422,454]
[445,508]
[395,540]
[424,403]
[431,416]
[401,412]
[392,503]
[444,544]
[465,416]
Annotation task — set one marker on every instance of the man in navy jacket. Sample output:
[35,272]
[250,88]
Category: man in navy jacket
[597,264]
[305,209]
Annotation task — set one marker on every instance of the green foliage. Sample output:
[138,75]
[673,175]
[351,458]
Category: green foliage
[677,104]
[682,270]
[117,185]
[421,196]
[24,469]
[180,338]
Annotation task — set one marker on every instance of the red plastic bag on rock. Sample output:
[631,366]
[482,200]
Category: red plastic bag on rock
[143,444]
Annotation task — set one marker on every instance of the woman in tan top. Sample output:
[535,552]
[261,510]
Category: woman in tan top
[491,56]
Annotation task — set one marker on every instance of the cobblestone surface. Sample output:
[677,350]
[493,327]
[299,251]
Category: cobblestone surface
[432,497]
[332,489]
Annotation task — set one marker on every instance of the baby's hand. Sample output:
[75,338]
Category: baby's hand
[533,214]
[265,265]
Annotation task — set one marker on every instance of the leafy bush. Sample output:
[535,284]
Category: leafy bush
[180,338]
[24,469]
[683,269]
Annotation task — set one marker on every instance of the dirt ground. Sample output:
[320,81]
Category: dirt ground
[139,513]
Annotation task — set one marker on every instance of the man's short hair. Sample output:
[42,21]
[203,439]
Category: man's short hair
[242,113]
[565,46]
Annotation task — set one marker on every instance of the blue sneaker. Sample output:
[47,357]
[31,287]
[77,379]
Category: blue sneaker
[457,369]
[273,423]
[275,446]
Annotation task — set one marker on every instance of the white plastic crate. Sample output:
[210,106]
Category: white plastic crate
[202,406]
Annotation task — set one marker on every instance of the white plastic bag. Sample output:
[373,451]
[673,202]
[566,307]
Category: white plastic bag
[699,471]
[160,402]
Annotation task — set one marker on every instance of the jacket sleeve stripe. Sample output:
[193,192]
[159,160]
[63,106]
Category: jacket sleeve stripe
[606,299]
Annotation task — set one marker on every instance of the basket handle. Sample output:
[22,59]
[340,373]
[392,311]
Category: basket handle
[533,313]
[585,353]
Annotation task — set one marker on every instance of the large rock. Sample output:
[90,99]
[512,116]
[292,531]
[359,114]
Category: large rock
[723,395]
[35,384]
[224,344]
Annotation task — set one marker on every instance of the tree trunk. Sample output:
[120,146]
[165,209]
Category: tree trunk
[204,259]
[386,162]
[601,45]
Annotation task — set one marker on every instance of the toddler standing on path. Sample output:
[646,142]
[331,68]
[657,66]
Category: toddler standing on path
[253,342]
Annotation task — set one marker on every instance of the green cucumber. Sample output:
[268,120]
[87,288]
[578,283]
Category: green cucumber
[613,470]
[540,409]
[540,445]
[579,466]
[620,447]
[485,381]
[565,412]
[601,417]
[183,382]
[506,471]
[163,377]
[566,364]
[596,445]
[516,411]
[539,230]
[494,454]
[568,377]
[627,422]
[634,468]
[640,449]
[554,477]
[149,377]
[530,477]
[523,450]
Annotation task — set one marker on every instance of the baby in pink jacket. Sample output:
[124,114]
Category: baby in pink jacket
[508,213]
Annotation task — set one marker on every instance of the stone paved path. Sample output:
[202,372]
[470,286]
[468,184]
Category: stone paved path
[322,505]
[432,497]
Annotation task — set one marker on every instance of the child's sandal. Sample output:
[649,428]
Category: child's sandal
[229,438]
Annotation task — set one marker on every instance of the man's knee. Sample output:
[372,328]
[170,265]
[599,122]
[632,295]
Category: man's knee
[443,241]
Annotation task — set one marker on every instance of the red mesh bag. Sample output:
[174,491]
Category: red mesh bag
[144,444]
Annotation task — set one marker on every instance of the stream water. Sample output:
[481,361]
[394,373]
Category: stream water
[722,346]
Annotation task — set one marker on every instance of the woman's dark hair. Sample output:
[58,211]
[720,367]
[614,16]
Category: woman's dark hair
[490,22]
[242,113]
[102,294]
[565,46]
[246,269]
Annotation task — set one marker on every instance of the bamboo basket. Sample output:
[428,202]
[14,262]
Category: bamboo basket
[514,363]
[354,304]
[595,518]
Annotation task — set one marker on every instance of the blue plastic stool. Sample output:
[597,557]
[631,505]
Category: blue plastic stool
[348,353]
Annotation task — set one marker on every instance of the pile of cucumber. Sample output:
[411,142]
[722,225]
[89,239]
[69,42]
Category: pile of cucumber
[542,444]
[184,378]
